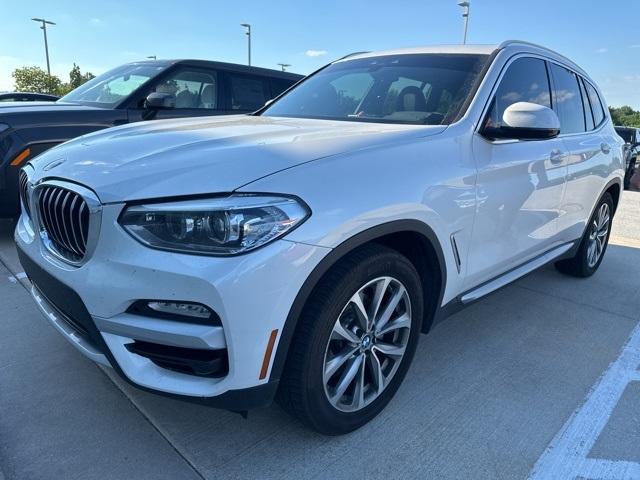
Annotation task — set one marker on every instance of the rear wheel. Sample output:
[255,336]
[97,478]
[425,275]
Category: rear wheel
[354,342]
[593,244]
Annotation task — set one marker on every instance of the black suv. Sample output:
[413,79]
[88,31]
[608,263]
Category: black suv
[27,97]
[129,93]
[631,137]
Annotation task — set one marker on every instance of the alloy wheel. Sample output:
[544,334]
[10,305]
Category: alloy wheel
[367,344]
[598,235]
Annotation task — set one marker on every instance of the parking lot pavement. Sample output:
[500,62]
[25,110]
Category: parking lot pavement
[504,389]
[60,416]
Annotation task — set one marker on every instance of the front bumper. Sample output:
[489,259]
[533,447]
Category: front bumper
[252,294]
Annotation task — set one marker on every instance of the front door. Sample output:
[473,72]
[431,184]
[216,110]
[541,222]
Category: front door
[520,183]
[196,92]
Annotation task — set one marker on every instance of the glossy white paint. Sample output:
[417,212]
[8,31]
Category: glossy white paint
[531,115]
[166,158]
[251,293]
[506,202]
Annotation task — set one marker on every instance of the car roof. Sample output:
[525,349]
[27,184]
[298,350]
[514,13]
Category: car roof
[516,46]
[454,49]
[221,65]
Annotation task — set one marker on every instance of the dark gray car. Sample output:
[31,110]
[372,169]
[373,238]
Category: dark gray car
[631,137]
[129,93]
[27,97]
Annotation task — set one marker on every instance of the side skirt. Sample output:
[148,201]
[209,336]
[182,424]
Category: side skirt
[469,297]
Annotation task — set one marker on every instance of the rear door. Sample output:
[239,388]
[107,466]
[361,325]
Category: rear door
[520,182]
[245,93]
[279,85]
[581,116]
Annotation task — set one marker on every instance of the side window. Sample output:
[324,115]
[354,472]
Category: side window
[247,93]
[567,100]
[525,80]
[587,108]
[192,88]
[278,86]
[596,104]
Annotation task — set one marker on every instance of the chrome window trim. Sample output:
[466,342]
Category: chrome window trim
[478,124]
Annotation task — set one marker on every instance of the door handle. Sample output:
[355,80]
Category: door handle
[556,157]
[605,147]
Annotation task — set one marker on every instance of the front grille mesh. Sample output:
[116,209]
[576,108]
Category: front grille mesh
[23,182]
[64,216]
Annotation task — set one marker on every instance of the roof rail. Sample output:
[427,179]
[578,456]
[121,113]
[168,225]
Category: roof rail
[508,43]
[351,55]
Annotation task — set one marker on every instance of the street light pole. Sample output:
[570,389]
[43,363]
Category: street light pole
[248,33]
[284,66]
[466,6]
[46,45]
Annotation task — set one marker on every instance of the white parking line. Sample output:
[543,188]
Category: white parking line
[16,277]
[566,455]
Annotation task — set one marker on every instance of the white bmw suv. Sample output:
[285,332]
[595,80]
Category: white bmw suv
[298,252]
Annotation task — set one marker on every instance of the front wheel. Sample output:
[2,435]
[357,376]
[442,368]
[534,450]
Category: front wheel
[593,244]
[354,342]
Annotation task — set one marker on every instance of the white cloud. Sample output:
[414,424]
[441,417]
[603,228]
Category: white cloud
[635,46]
[602,50]
[95,22]
[315,53]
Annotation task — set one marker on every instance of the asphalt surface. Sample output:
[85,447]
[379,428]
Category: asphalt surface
[539,380]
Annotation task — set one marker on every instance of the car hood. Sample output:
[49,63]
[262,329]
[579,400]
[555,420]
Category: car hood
[206,155]
[33,107]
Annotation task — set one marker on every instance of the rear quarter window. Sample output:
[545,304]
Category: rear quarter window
[279,85]
[596,104]
[248,93]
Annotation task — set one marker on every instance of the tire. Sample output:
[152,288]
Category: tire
[304,390]
[584,264]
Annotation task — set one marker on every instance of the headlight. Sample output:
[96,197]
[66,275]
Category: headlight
[214,226]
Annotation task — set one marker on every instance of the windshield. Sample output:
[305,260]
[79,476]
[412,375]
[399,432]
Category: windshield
[426,89]
[110,88]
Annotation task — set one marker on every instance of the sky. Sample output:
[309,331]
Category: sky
[601,36]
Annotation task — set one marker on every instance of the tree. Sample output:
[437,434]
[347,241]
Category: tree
[625,116]
[34,79]
[76,78]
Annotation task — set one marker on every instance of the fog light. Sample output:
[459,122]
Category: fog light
[180,308]
[190,312]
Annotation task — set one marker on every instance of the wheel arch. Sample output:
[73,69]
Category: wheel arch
[615,188]
[413,238]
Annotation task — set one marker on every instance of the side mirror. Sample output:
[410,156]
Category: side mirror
[156,100]
[527,121]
